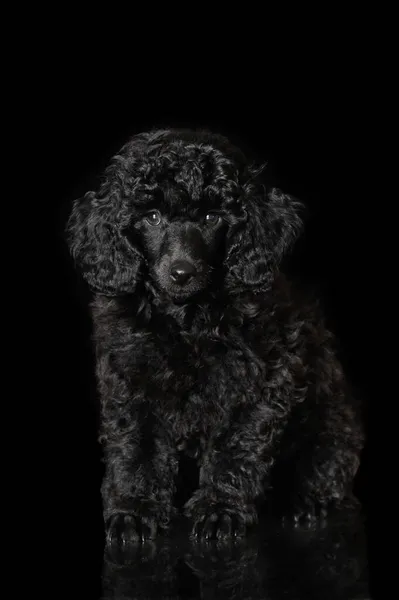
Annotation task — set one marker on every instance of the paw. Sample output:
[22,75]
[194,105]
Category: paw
[218,518]
[218,525]
[140,521]
[125,528]
[308,514]
[305,511]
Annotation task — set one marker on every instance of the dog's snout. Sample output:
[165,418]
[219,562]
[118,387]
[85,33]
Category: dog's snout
[182,271]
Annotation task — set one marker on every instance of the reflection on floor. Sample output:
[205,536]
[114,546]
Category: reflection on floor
[324,562]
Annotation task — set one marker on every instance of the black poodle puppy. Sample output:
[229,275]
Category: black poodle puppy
[203,347]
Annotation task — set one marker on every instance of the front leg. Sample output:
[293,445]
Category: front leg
[138,486]
[234,472]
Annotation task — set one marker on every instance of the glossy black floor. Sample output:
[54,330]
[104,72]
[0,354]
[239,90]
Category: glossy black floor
[323,562]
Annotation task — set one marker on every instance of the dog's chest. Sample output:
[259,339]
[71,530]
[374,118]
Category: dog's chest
[207,378]
[208,365]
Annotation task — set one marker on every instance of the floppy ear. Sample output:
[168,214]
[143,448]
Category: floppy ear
[271,225]
[108,262]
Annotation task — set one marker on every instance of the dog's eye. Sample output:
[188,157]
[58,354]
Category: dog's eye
[153,217]
[212,219]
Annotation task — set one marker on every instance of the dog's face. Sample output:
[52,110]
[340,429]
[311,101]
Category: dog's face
[182,241]
[186,210]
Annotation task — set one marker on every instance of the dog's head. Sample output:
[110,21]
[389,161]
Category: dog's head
[185,210]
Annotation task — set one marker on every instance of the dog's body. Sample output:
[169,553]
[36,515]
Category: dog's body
[203,347]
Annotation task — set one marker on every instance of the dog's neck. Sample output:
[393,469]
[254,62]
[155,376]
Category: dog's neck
[208,308]
[184,314]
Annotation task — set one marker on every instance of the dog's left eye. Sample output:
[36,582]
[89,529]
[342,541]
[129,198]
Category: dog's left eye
[212,218]
[153,217]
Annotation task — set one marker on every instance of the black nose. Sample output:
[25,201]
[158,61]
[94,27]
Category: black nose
[181,271]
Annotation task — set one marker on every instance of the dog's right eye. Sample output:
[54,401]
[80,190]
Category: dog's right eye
[153,217]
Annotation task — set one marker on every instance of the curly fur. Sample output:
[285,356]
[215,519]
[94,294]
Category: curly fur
[235,368]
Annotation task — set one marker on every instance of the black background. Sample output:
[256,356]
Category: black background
[311,130]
